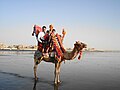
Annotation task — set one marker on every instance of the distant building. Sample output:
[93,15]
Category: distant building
[2,46]
[91,49]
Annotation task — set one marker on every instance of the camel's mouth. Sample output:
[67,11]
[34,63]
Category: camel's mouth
[84,45]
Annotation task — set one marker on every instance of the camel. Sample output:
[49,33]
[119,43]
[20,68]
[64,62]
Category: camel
[67,55]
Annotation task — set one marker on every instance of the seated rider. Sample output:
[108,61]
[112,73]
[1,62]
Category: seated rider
[36,30]
[51,31]
[41,39]
[46,42]
[47,39]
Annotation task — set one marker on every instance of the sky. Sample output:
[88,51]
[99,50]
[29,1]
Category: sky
[94,22]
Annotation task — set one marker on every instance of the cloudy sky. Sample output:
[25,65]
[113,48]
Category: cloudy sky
[94,22]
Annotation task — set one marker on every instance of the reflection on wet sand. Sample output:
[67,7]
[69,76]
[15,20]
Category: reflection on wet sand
[56,87]
[34,86]
[13,74]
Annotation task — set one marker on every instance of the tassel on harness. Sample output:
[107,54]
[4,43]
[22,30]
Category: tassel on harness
[79,57]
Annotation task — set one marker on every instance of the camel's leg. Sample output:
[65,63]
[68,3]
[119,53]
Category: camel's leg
[36,62]
[56,73]
[59,73]
[35,69]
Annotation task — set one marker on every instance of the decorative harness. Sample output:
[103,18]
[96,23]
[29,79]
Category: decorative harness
[80,55]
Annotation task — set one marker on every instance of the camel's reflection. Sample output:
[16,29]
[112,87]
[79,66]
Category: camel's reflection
[56,87]
[34,87]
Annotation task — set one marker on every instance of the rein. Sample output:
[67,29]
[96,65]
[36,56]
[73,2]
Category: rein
[80,55]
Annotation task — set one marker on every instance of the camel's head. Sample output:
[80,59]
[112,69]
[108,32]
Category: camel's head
[79,45]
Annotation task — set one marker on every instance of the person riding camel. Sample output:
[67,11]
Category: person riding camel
[48,41]
[50,28]
[54,44]
[36,30]
[47,38]
[51,31]
[41,40]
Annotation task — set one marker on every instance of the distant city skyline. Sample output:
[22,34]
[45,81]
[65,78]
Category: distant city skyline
[94,22]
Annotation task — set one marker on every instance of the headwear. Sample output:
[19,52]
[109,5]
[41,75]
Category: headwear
[53,30]
[50,25]
[43,27]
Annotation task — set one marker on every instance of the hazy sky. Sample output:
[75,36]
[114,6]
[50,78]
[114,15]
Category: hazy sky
[95,22]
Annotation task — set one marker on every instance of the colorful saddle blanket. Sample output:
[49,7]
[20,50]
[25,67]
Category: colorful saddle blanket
[58,46]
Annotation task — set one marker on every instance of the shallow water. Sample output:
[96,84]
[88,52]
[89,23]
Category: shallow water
[95,71]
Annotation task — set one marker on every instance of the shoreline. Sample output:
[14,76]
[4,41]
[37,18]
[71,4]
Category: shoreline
[18,49]
[67,50]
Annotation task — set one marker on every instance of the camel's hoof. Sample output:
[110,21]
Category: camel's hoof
[59,82]
[55,83]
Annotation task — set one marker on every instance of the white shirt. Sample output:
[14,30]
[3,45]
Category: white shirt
[41,35]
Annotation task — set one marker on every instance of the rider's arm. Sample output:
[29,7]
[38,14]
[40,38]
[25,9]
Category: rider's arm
[40,36]
[34,31]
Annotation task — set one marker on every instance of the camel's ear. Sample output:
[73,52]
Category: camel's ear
[77,42]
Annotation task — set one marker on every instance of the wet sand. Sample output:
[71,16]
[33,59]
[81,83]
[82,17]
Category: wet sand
[95,71]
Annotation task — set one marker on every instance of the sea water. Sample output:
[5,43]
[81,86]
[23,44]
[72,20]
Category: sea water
[95,71]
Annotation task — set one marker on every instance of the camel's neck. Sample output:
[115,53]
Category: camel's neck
[71,55]
[74,53]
